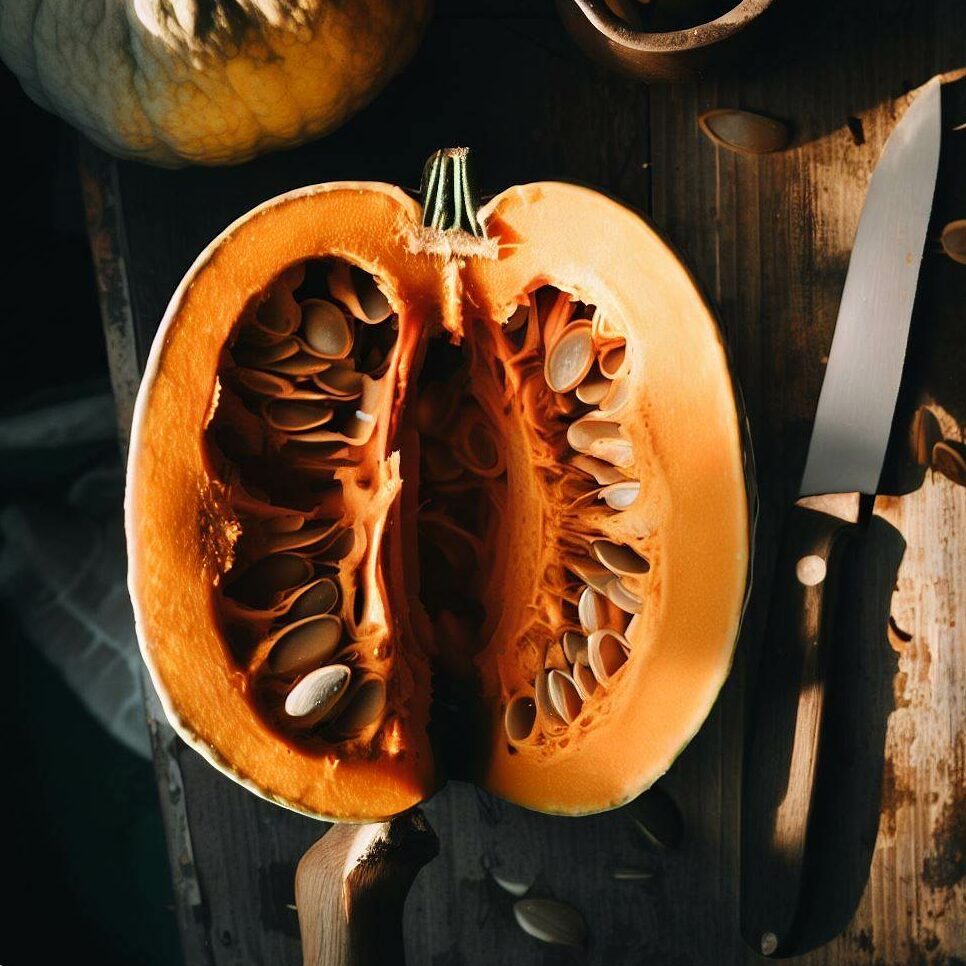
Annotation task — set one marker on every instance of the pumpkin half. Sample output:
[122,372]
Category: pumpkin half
[418,493]
[210,81]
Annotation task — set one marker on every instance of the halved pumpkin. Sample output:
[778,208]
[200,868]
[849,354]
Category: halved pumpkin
[445,493]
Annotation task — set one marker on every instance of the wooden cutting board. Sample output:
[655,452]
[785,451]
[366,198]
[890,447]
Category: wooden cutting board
[769,237]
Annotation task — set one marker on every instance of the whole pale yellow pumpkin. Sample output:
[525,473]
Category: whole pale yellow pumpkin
[178,82]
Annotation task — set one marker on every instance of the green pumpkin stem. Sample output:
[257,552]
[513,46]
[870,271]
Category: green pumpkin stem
[449,192]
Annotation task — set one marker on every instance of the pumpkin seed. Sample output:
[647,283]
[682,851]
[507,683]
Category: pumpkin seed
[520,717]
[305,644]
[925,433]
[627,601]
[546,712]
[564,695]
[325,329]
[594,388]
[611,359]
[358,292]
[606,329]
[584,432]
[657,818]
[592,574]
[628,874]
[295,416]
[570,357]
[365,706]
[618,397]
[584,678]
[317,695]
[619,559]
[619,496]
[301,364]
[300,539]
[480,450]
[265,579]
[591,610]
[603,473]
[953,240]
[607,653]
[262,383]
[255,356]
[550,921]
[339,380]
[949,458]
[574,645]
[744,132]
[513,886]
[317,598]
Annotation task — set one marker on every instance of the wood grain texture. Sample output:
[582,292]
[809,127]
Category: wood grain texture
[351,886]
[769,237]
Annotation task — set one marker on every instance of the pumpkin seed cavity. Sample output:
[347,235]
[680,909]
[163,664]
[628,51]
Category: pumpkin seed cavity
[307,403]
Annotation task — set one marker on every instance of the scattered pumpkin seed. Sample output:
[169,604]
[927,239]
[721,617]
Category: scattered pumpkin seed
[628,874]
[744,132]
[550,921]
[515,887]
[949,458]
[953,240]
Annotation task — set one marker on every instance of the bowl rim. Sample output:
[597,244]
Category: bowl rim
[706,34]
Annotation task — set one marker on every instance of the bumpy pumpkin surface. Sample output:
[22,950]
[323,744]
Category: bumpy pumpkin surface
[416,495]
[208,81]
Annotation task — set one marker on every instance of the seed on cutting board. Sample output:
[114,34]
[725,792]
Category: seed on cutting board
[628,874]
[744,132]
[550,921]
[953,240]
[657,818]
[949,458]
[516,887]
[317,694]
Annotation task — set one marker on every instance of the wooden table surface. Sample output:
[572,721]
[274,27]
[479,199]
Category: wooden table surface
[770,238]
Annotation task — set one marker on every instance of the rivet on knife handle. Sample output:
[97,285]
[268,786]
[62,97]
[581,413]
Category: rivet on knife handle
[780,762]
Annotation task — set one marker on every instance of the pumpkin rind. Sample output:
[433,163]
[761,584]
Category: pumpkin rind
[696,499]
[213,82]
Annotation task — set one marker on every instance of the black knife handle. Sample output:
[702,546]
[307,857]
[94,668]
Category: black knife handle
[779,767]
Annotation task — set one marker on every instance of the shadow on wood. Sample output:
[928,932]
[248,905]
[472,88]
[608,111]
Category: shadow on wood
[859,699]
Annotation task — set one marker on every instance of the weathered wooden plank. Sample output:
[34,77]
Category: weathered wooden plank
[770,236]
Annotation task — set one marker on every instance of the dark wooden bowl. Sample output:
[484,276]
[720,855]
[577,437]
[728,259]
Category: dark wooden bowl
[669,56]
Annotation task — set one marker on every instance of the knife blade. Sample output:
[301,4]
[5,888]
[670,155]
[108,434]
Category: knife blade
[845,455]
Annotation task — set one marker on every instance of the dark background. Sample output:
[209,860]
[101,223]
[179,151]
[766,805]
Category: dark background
[85,845]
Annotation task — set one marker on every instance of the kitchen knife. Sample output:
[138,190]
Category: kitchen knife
[845,456]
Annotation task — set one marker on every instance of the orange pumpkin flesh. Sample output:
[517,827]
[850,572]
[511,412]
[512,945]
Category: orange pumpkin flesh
[437,547]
